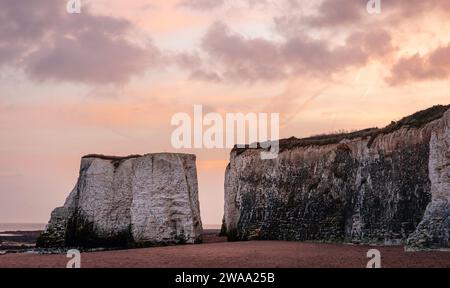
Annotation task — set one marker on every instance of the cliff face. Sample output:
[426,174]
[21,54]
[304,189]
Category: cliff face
[130,201]
[434,229]
[372,186]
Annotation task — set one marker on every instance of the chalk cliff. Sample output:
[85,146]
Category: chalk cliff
[386,186]
[129,201]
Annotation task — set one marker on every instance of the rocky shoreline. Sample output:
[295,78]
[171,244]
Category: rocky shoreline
[14,242]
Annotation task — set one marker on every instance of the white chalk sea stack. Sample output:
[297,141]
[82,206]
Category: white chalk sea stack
[129,201]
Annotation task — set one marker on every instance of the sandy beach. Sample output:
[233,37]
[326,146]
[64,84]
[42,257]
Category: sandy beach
[215,252]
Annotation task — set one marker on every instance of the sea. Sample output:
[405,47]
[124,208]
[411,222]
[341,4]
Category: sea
[21,227]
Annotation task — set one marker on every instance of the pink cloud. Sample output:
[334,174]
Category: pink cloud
[202,4]
[233,57]
[338,12]
[432,66]
[48,43]
[243,58]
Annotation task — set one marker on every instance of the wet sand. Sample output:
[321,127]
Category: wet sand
[216,253]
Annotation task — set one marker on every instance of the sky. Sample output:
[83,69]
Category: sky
[108,80]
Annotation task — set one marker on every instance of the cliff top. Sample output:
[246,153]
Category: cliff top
[415,120]
[112,158]
[117,160]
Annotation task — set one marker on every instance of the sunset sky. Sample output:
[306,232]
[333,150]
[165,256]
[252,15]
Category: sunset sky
[108,80]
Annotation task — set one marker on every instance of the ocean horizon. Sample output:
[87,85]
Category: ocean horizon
[4,227]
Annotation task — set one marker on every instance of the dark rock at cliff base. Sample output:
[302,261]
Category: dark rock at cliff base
[384,186]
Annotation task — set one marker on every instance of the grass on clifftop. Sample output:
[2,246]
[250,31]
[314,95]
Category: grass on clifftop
[112,158]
